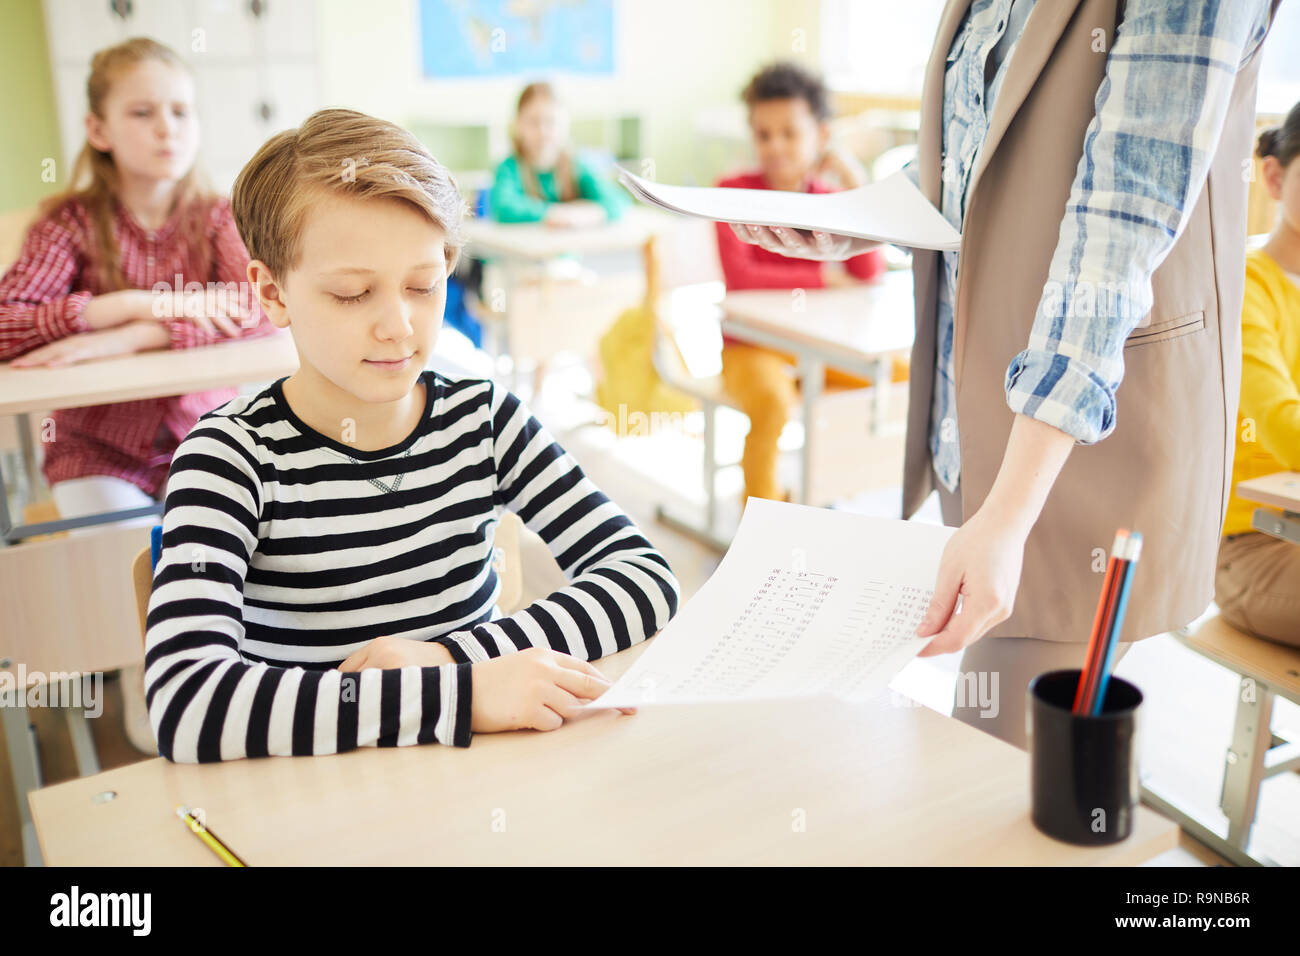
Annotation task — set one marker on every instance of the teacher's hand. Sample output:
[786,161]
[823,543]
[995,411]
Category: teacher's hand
[803,243]
[983,558]
[981,563]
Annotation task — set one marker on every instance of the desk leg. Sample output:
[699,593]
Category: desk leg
[1204,831]
[26,482]
[707,535]
[30,466]
[25,765]
[812,375]
[882,375]
[6,522]
[710,469]
[83,742]
[509,272]
[1243,769]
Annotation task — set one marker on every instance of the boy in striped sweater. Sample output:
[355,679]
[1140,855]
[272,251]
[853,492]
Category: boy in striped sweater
[326,576]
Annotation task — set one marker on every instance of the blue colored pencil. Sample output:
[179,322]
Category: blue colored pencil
[1133,548]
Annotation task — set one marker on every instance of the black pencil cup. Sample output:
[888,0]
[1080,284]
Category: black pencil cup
[1083,769]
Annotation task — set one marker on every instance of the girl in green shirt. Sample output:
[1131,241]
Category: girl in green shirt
[543,181]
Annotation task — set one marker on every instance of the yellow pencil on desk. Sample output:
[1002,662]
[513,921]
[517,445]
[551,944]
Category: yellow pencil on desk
[201,831]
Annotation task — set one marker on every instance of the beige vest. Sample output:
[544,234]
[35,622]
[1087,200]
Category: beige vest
[1166,468]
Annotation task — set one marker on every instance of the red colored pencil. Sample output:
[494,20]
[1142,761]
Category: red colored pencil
[1107,626]
[1092,657]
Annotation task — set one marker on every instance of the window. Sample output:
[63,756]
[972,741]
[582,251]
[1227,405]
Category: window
[869,46]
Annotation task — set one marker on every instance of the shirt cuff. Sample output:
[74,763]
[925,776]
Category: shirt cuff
[63,319]
[456,691]
[464,649]
[1062,392]
[186,335]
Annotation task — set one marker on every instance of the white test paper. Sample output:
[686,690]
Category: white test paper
[892,210]
[806,601]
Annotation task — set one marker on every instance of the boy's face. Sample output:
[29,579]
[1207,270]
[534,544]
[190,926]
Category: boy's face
[789,139]
[149,123]
[366,297]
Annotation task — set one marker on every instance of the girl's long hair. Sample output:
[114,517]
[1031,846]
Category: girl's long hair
[94,182]
[566,186]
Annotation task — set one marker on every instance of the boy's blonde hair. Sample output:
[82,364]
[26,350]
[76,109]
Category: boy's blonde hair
[346,153]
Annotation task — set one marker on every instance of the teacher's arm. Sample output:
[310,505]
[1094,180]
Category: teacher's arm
[1145,159]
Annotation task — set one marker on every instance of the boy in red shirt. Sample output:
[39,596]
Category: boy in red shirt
[788,116]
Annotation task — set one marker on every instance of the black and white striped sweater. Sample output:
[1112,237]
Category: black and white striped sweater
[284,551]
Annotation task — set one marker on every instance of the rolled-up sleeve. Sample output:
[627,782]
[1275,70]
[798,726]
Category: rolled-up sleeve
[1160,111]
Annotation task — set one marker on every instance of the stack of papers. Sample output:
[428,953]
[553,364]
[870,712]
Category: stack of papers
[892,210]
[806,602]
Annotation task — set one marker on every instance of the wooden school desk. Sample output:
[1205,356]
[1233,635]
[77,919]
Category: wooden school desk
[1280,493]
[859,329]
[805,782]
[520,246]
[120,379]
[123,379]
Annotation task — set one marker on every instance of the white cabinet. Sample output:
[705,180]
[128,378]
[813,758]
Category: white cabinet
[230,124]
[254,61]
[77,28]
[228,28]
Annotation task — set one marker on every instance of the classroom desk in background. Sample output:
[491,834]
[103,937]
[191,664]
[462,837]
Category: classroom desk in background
[803,782]
[859,329]
[127,378]
[521,246]
[538,242]
[24,391]
[1280,493]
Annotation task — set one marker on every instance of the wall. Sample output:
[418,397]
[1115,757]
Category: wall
[679,63]
[675,59]
[28,127]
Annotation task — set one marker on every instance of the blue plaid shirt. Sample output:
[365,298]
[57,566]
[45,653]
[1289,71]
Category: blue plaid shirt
[1160,110]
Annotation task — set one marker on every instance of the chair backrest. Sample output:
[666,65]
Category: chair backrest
[509,563]
[142,575]
[65,607]
[13,230]
[142,578]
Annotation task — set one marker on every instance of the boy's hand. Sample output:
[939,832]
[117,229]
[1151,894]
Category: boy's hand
[841,168]
[393,652]
[533,689]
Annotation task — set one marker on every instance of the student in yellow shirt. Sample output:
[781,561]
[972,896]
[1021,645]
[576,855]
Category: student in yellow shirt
[1257,584]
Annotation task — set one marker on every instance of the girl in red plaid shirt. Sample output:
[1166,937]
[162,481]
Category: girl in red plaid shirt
[137,255]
